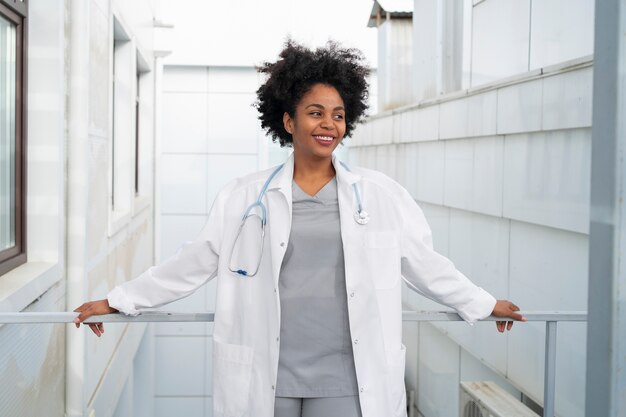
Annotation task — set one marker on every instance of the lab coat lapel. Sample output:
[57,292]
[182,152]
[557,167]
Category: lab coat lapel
[279,205]
[346,198]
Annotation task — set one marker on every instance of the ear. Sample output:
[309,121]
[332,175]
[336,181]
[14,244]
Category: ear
[288,123]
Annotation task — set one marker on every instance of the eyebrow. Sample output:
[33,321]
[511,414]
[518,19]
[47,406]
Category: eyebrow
[319,106]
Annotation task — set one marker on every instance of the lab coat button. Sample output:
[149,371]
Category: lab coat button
[362,389]
[352,294]
[282,244]
[278,339]
[272,387]
[356,341]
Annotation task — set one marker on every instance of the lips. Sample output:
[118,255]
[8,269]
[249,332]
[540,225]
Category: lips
[324,140]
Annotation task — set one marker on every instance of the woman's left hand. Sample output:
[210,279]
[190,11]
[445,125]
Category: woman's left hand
[505,308]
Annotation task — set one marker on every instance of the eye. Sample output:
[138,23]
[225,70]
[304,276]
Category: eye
[316,113]
[339,116]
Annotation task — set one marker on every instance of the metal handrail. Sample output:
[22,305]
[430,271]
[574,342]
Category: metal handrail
[551,318]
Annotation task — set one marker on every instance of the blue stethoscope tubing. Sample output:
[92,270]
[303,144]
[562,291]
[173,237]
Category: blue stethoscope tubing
[360,216]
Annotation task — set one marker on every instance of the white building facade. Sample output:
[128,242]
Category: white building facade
[496,148]
[484,116]
[79,82]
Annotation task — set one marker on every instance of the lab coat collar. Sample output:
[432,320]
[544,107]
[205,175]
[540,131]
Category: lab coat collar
[284,177]
[343,174]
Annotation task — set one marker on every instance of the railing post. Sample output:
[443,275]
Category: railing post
[549,381]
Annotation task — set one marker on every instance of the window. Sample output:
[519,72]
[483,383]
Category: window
[137,109]
[129,71]
[12,137]
[142,110]
[123,130]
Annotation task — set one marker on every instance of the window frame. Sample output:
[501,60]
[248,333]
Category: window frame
[16,255]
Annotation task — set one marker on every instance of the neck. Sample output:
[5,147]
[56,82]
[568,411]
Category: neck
[311,169]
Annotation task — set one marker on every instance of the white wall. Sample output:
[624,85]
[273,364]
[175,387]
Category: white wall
[503,175]
[74,254]
[395,64]
[211,134]
[510,37]
[32,357]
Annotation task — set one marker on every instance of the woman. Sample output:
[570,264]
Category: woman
[308,316]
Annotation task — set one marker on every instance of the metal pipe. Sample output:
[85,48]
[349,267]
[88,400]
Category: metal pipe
[549,380]
[77,193]
[169,316]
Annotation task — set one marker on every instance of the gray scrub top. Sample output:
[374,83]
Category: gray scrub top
[315,358]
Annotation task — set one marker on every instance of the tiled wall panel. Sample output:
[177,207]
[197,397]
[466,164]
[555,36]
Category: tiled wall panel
[438,373]
[386,160]
[481,114]
[459,166]
[183,183]
[179,406]
[519,107]
[547,178]
[567,100]
[233,125]
[182,79]
[487,175]
[430,171]
[184,376]
[221,169]
[507,197]
[184,131]
[474,370]
[500,39]
[556,39]
[426,123]
[453,119]
[232,79]
[548,271]
[479,247]
[179,229]
[211,135]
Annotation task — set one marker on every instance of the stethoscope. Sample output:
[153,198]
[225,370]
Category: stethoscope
[360,216]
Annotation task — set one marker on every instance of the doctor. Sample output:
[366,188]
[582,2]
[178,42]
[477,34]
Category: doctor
[308,314]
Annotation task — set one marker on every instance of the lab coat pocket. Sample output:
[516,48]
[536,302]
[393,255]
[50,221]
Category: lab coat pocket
[232,371]
[395,381]
[381,259]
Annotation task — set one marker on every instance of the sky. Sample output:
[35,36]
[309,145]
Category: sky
[248,32]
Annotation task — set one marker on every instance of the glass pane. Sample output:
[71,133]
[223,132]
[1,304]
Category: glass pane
[8,45]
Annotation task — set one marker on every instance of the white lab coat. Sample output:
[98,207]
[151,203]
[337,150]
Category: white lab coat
[395,243]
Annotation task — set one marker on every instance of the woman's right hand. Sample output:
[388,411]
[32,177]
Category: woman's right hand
[94,308]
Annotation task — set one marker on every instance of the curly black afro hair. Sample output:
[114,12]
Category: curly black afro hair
[297,70]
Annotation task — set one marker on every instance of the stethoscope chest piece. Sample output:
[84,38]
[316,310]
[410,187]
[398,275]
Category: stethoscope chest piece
[361,217]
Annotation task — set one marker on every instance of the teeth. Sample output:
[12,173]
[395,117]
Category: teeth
[325,138]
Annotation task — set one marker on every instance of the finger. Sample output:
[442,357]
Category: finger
[79,308]
[514,307]
[509,325]
[85,314]
[101,327]
[516,316]
[94,328]
[500,326]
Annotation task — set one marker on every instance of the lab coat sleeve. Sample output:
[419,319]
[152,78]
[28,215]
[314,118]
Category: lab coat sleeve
[434,275]
[194,264]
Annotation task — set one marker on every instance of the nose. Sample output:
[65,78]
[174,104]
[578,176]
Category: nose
[327,123]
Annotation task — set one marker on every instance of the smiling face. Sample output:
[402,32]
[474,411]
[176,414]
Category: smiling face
[318,123]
